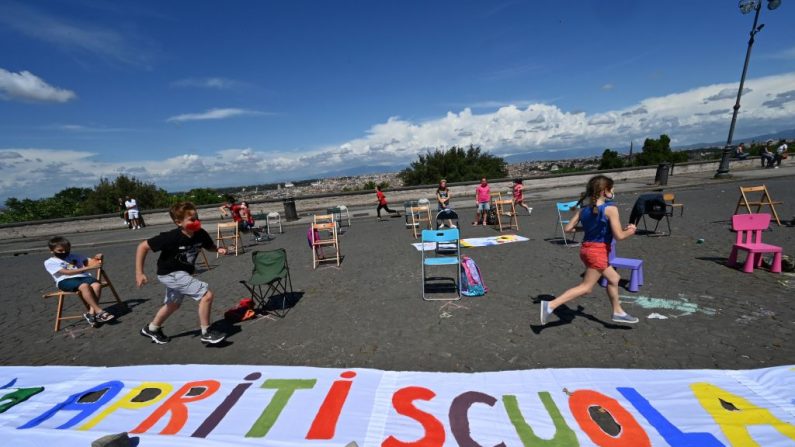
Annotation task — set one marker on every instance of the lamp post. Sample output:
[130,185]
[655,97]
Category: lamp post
[746,6]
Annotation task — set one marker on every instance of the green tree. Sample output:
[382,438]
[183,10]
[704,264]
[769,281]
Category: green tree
[658,151]
[105,196]
[455,164]
[199,196]
[610,160]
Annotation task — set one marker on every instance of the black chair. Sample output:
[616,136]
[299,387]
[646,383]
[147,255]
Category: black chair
[654,206]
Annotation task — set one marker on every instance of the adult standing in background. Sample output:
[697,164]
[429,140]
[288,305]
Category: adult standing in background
[133,213]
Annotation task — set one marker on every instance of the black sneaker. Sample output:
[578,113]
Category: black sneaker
[157,336]
[212,337]
[91,319]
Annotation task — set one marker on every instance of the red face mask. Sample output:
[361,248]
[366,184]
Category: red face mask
[194,225]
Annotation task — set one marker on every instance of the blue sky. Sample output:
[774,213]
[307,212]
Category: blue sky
[204,93]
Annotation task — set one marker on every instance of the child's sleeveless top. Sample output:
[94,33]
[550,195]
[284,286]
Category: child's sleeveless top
[595,224]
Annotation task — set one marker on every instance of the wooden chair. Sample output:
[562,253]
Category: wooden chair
[417,219]
[319,229]
[670,201]
[764,200]
[425,204]
[506,208]
[749,229]
[228,232]
[103,279]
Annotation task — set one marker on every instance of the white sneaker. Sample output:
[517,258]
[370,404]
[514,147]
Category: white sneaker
[453,226]
[530,211]
[545,312]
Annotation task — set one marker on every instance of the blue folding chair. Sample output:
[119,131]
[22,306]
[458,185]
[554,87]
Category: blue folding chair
[566,208]
[432,258]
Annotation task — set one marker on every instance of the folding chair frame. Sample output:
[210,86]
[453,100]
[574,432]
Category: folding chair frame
[764,200]
[565,207]
[104,281]
[220,239]
[272,288]
[513,221]
[448,237]
[670,201]
[334,241]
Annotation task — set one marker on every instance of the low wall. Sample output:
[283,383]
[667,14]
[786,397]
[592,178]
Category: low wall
[353,200]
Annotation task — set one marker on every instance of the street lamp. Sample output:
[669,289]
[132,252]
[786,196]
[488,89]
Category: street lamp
[746,6]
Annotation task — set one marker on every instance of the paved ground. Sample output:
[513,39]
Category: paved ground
[368,312]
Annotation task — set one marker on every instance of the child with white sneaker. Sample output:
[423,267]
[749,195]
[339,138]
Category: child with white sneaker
[601,223]
[178,251]
[70,272]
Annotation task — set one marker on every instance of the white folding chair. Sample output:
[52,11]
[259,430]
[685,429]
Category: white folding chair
[273,218]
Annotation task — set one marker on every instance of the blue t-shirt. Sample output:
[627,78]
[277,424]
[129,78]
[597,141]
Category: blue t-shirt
[596,225]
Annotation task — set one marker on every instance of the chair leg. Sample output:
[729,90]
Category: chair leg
[59,312]
[758,260]
[603,281]
[732,261]
[633,281]
[749,263]
[776,267]
[640,274]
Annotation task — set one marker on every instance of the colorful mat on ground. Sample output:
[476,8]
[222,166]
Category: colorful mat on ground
[476,242]
[212,405]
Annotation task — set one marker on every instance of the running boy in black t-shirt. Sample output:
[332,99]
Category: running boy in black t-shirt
[178,250]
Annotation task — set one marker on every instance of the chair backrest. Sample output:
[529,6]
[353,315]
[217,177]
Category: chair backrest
[669,197]
[323,218]
[228,226]
[564,207]
[449,235]
[749,227]
[753,188]
[268,266]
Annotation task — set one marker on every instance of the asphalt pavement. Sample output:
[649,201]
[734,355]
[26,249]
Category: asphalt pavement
[695,311]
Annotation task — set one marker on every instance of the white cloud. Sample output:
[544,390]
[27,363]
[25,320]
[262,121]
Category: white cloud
[212,114]
[607,87]
[216,83]
[787,55]
[684,116]
[26,86]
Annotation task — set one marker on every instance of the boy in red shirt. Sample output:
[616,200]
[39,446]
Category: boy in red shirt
[382,204]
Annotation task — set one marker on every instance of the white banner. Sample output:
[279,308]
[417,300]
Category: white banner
[212,405]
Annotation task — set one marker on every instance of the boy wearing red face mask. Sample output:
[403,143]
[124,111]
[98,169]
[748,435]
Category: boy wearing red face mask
[178,250]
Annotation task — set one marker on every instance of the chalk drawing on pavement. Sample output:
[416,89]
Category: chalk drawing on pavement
[679,307]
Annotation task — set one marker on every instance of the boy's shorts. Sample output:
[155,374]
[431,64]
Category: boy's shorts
[72,284]
[132,214]
[484,206]
[595,255]
[181,284]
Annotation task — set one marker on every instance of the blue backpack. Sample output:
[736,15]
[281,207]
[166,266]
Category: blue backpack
[471,279]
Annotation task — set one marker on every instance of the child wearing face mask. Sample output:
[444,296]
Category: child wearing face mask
[178,251]
[601,222]
[70,272]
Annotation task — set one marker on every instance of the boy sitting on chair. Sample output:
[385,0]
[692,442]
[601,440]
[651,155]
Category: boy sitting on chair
[70,272]
[178,250]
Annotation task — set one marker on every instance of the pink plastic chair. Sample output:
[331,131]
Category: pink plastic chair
[749,238]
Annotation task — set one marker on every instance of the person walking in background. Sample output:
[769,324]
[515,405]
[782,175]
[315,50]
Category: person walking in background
[601,223]
[443,200]
[132,212]
[382,203]
[482,202]
[518,196]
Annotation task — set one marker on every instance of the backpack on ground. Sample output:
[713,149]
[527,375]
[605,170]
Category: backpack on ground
[491,216]
[471,279]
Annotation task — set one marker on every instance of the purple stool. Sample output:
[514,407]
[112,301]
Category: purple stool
[635,265]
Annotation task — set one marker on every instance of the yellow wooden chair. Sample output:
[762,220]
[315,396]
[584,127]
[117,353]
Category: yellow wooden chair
[764,200]
[103,279]
[229,232]
[324,234]
[506,208]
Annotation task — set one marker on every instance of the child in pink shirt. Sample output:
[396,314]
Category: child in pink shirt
[482,200]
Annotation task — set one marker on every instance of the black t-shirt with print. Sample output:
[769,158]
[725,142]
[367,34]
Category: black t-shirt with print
[179,252]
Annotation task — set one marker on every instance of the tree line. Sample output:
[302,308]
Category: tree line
[103,198]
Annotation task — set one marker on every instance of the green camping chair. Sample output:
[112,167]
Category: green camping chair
[270,277]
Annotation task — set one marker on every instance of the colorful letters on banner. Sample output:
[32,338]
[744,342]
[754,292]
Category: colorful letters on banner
[310,406]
